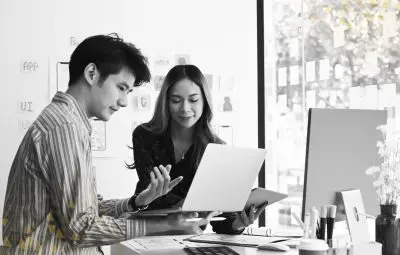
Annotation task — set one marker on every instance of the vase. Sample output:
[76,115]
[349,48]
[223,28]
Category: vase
[387,230]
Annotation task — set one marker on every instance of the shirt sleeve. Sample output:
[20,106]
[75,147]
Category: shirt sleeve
[74,197]
[114,207]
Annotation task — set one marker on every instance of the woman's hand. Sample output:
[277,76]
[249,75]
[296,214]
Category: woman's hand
[244,219]
[189,223]
[160,185]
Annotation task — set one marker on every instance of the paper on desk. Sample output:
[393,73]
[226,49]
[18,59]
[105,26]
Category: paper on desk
[238,240]
[155,243]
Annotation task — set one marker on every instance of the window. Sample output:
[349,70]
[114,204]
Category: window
[325,54]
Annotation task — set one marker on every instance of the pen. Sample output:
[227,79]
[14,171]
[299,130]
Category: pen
[313,222]
[212,219]
[298,220]
[330,221]
[322,223]
[306,225]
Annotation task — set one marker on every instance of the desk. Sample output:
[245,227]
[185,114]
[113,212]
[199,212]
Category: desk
[128,248]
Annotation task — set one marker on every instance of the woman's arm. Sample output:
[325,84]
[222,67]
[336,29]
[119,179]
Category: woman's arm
[143,153]
[143,161]
[226,226]
[235,223]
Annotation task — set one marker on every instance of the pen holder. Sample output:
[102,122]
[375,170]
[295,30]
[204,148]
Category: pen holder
[313,247]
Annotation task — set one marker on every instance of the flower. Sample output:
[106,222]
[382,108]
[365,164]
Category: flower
[387,175]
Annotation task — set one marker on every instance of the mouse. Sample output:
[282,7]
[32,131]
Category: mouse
[273,247]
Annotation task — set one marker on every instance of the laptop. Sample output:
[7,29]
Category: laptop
[223,181]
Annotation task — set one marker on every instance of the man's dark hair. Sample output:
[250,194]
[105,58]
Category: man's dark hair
[110,54]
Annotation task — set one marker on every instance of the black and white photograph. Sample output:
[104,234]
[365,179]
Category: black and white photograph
[200,127]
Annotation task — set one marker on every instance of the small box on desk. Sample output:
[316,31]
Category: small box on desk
[367,248]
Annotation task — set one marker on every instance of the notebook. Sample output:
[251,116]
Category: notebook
[222,182]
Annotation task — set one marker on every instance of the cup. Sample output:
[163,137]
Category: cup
[313,247]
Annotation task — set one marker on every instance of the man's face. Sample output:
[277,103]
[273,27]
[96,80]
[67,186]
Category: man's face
[109,95]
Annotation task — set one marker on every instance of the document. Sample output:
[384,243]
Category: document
[389,24]
[338,71]
[294,47]
[310,71]
[282,77]
[338,37]
[324,69]
[62,76]
[157,242]
[294,75]
[310,98]
[282,103]
[238,240]
[162,63]
[371,61]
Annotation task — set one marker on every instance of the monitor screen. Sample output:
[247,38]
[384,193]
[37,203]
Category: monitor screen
[341,145]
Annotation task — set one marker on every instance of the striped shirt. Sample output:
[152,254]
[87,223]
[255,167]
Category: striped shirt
[51,204]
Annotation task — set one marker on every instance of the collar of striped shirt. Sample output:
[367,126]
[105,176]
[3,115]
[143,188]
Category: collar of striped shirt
[68,99]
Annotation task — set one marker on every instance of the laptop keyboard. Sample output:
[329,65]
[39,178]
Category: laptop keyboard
[212,250]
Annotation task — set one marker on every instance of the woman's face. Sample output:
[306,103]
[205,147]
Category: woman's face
[186,103]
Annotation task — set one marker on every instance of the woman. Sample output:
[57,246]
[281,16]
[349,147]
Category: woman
[177,136]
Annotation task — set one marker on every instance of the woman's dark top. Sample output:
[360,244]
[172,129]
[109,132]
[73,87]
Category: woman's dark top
[150,150]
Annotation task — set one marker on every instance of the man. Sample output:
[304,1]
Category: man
[51,204]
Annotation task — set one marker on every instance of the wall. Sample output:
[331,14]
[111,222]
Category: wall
[219,36]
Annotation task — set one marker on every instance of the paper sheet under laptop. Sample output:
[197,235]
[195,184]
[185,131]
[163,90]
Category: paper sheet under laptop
[223,180]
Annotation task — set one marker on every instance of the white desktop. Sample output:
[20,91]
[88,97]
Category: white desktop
[341,145]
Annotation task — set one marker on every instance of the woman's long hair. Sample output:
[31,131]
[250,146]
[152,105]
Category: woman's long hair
[160,122]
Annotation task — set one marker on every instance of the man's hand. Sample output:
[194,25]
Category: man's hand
[245,219]
[160,185]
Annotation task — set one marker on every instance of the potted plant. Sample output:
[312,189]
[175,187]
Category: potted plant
[386,181]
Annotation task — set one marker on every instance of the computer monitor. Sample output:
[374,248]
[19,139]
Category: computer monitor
[341,145]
